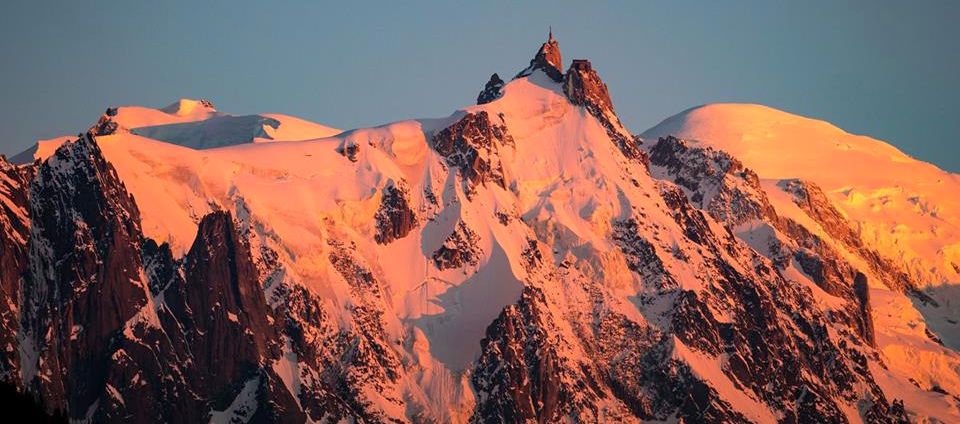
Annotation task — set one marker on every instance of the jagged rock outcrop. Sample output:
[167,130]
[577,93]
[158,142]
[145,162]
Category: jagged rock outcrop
[395,217]
[584,284]
[362,359]
[862,291]
[349,150]
[491,91]
[118,329]
[459,249]
[583,86]
[758,300]
[641,255]
[106,125]
[224,300]
[718,183]
[547,59]
[472,144]
[811,199]
[96,348]
[85,269]
[14,232]
[522,376]
[224,314]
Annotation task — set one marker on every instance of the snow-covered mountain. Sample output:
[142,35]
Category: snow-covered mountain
[191,123]
[525,259]
[907,209]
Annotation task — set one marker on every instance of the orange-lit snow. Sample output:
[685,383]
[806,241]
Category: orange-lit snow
[565,178]
[906,209]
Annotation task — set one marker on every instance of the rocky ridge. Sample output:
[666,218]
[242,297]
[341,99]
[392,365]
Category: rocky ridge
[667,288]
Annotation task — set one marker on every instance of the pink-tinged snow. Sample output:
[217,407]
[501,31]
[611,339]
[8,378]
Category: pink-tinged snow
[295,129]
[901,206]
[178,112]
[909,210]
[710,370]
[564,177]
[193,124]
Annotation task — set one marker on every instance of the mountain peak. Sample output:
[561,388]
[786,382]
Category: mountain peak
[186,107]
[107,125]
[547,59]
[492,90]
[584,87]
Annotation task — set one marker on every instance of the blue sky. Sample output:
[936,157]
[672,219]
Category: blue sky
[888,69]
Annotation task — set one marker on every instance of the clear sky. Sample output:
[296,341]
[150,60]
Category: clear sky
[889,69]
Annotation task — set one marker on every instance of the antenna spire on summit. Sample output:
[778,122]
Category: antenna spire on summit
[550,37]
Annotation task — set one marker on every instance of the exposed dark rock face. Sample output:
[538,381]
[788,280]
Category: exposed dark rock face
[731,194]
[100,351]
[362,358]
[161,268]
[333,357]
[548,60]
[641,255]
[14,232]
[349,150]
[532,257]
[521,376]
[718,183]
[311,338]
[692,220]
[224,314]
[121,330]
[491,91]
[769,333]
[862,291]
[85,265]
[459,249]
[809,197]
[472,144]
[106,125]
[757,338]
[583,87]
[754,335]
[227,311]
[395,218]
[812,200]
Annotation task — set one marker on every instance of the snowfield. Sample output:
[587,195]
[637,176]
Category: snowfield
[906,208]
[524,260]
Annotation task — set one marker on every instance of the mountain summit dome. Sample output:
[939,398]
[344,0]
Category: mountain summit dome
[190,107]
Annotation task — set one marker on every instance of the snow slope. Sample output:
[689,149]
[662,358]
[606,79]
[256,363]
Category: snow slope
[563,177]
[907,209]
[519,260]
[198,125]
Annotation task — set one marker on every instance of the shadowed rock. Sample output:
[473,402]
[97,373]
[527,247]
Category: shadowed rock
[547,60]
[491,91]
